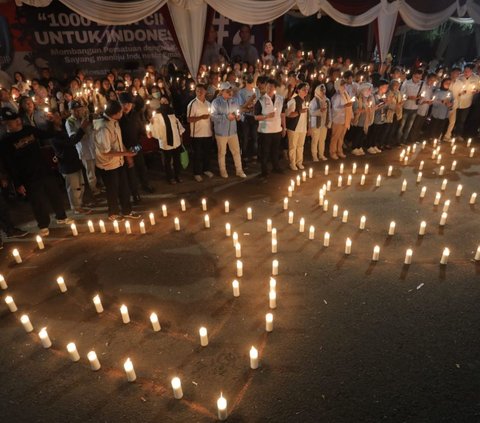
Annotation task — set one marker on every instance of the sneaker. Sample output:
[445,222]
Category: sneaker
[341,155]
[117,217]
[315,159]
[198,178]
[16,233]
[224,174]
[208,173]
[323,158]
[43,232]
[377,149]
[132,215]
[66,221]
[362,153]
[356,152]
[82,211]
[371,150]
[334,156]
[300,166]
[293,167]
[241,174]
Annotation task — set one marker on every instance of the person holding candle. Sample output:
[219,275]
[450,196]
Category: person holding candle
[393,114]
[376,136]
[297,125]
[363,109]
[320,122]
[470,86]
[424,103]
[441,106]
[341,119]
[411,90]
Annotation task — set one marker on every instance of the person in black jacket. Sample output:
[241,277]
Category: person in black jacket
[21,151]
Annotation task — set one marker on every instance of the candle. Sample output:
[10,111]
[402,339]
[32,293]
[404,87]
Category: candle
[454,165]
[404,185]
[477,254]
[151,216]
[363,220]
[446,205]
[269,225]
[335,210]
[469,142]
[444,185]
[298,180]
[61,284]
[379,181]
[16,256]
[285,203]
[354,168]
[390,170]
[44,338]
[310,173]
[129,370]
[101,225]
[365,171]
[326,239]
[472,152]
[329,185]
[115,227]
[420,167]
[183,205]
[228,229]
[290,217]
[290,191]
[164,210]
[272,299]
[339,184]
[345,216]
[98,304]
[311,232]
[155,323]
[349,180]
[204,204]
[326,170]
[459,191]
[74,229]
[325,205]
[249,213]
[274,245]
[424,144]
[142,227]
[341,168]
[235,239]
[439,159]
[473,198]
[236,288]
[419,177]
[40,243]
[125,315]
[240,268]
[275,267]
[301,226]
[362,180]
[405,160]
[207,221]
[72,352]
[238,250]
[348,246]
[90,226]
[320,197]
[3,283]
[423,227]
[454,148]
[376,253]
[94,363]
[391,229]
[128,229]
[203,336]
[445,255]
[222,408]
[423,192]
[408,256]
[253,358]
[177,388]
[27,325]
[11,304]
[437,199]
[443,219]
[269,322]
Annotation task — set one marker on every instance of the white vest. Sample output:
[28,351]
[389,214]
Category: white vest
[274,125]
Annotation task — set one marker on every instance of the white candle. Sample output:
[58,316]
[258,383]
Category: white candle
[11,304]
[235,238]
[376,253]
[115,227]
[40,243]
[349,180]
[204,204]
[129,370]
[275,267]
[93,359]
[207,221]
[27,325]
[326,239]
[365,170]
[177,388]
[329,185]
[301,226]
[290,191]
[125,315]
[176,223]
[441,171]
[269,322]
[444,185]
[269,225]
[274,245]
[454,165]
[439,159]
[424,144]
[61,284]
[405,160]
[164,210]
[408,256]
[443,219]
[404,185]
[44,338]
[183,205]
[473,198]
[203,336]
[419,177]
[74,229]
[459,191]
[155,323]
[423,227]
[72,352]
[423,192]
[3,282]
[298,180]
[16,256]
[446,205]
[326,170]
[390,170]
[345,216]
[348,246]
[151,216]
[290,217]
[249,213]
[272,299]
[472,152]
[310,173]
[340,179]
[477,254]
[362,180]
[363,220]
[335,210]
[98,304]
[128,229]
[437,199]
[311,232]
[445,255]
[379,181]
[253,358]
[101,225]
[420,167]
[341,168]
[222,408]
[240,268]
[354,168]
[325,205]
[142,227]
[391,228]
[469,142]
[236,288]
[273,284]
[90,226]
[285,203]
[238,250]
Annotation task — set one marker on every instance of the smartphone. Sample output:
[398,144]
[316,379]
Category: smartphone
[136,148]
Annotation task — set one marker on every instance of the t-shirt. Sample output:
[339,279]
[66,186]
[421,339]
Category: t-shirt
[201,128]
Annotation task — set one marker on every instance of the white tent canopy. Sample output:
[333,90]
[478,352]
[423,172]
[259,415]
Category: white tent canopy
[189,16]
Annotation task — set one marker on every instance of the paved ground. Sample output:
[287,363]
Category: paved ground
[353,341]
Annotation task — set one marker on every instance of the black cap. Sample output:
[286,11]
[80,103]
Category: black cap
[7,114]
[74,104]
[125,98]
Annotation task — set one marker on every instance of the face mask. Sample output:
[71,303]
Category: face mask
[156,95]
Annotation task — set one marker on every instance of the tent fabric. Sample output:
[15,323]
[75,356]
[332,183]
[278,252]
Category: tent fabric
[189,16]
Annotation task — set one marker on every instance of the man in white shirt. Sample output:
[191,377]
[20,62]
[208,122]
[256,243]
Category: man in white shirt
[455,88]
[411,90]
[297,120]
[470,86]
[424,103]
[198,116]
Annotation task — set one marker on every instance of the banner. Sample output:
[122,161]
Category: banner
[58,38]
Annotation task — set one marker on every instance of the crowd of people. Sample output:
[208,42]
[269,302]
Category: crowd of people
[263,107]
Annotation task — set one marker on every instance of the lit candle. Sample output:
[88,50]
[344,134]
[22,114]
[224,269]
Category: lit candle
[345,216]
[98,304]
[311,232]
[454,165]
[101,225]
[469,142]
[419,177]
[90,227]
[452,151]
[326,239]
[27,325]
[234,238]
[290,191]
[423,192]
[203,336]
[74,229]
[405,160]
[391,229]
[240,268]
[310,173]
[379,181]
[298,180]
[340,179]
[477,254]
[285,203]
[362,180]
[155,323]
[249,213]
[94,363]
[115,227]
[273,284]
[408,256]
[228,229]
[325,205]
[444,185]
[274,233]
[207,221]
[183,205]
[128,229]
[437,199]
[3,283]
[363,220]
[269,322]
[335,211]
[376,253]
[390,170]
[443,219]
[404,185]
[61,284]
[446,205]
[424,144]
[40,243]
[176,223]
[341,168]
[272,299]
[459,191]
[329,185]
[164,210]
[473,198]
[72,352]
[320,197]
[445,255]
[275,267]
[365,170]
[420,166]
[125,315]
[274,245]
[472,152]
[177,388]
[151,216]
[16,256]
[253,358]
[349,180]
[290,217]
[142,227]
[236,288]
[354,168]
[326,170]
[269,225]
[348,246]
[301,226]
[238,250]
[129,370]
[11,304]
[423,227]
[44,338]
[204,204]
[222,408]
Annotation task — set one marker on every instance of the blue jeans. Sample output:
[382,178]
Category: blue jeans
[406,124]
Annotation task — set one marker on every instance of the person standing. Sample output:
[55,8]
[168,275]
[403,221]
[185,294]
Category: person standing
[411,90]
[245,51]
[320,121]
[247,97]
[470,85]
[424,104]
[442,104]
[341,118]
[297,125]
[455,89]
[363,114]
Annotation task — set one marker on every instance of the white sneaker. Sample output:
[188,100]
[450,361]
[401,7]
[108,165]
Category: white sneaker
[66,221]
[208,173]
[224,174]
[241,174]
[356,152]
[198,178]
[293,167]
[323,158]
[371,150]
[300,166]
[43,232]
[377,149]
[362,153]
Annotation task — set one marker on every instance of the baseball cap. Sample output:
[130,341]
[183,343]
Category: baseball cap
[8,114]
[225,86]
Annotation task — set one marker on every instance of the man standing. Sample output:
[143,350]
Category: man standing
[297,115]
[320,121]
[455,88]
[470,85]
[247,98]
[245,52]
[411,90]
[424,103]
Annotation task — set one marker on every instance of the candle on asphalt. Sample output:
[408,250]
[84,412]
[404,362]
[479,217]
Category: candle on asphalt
[235,238]
[354,168]
[458,193]
[326,239]
[335,210]
[290,217]
[311,232]
[379,181]
[301,225]
[298,180]
[222,408]
[444,185]
[348,246]
[128,228]
[203,336]
[3,282]
[274,245]
[404,185]
[445,255]
[177,388]
[423,226]
[340,181]
[423,192]
[115,227]
[183,205]
[236,288]
[227,206]
[477,254]
[269,225]
[73,227]
[349,180]
[125,315]
[419,177]
[98,304]
[454,165]
[253,358]
[44,338]
[16,256]
[204,204]
[437,199]
[272,300]
[27,325]
[273,284]
[439,159]
[285,203]
[249,213]
[362,180]
[341,168]
[290,191]
[345,216]
[142,227]
[326,170]
[365,170]
[310,173]
[101,225]
[446,205]
[473,198]
[329,185]
[269,322]
[325,205]
[93,359]
[469,142]
[151,216]
[376,253]
[164,210]
[228,229]
[472,152]
[420,166]
[408,256]
[61,284]
[275,267]
[238,250]
[40,243]
[391,228]
[363,220]
[73,352]
[443,219]
[155,322]
[441,171]
[129,370]
[206,220]
[11,304]
[240,268]
[390,170]
[91,228]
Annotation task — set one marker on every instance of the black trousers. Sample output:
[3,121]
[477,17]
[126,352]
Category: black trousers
[6,224]
[270,149]
[202,148]
[357,136]
[249,137]
[116,185]
[461,118]
[44,193]
[390,131]
[438,127]
[417,127]
[169,157]
[137,173]
[375,135]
